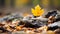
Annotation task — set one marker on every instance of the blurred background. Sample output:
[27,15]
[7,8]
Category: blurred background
[22,6]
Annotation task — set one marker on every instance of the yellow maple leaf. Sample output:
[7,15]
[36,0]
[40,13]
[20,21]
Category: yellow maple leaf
[37,11]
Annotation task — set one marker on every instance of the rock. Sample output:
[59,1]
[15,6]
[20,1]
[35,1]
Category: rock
[52,13]
[55,24]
